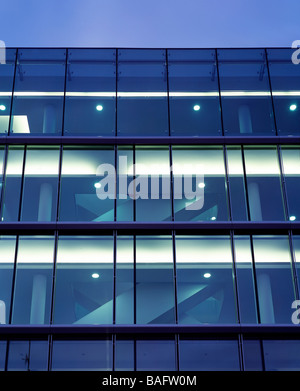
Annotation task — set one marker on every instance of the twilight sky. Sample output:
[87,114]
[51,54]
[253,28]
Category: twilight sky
[152,23]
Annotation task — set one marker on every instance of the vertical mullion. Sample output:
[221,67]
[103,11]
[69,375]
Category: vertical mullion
[245,183]
[168,93]
[22,182]
[271,91]
[53,275]
[114,276]
[227,182]
[241,352]
[171,183]
[64,98]
[116,81]
[12,93]
[219,91]
[59,182]
[255,280]
[3,181]
[294,269]
[235,281]
[283,183]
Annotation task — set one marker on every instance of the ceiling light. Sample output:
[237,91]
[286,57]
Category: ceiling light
[206,275]
[196,108]
[213,218]
[97,185]
[292,218]
[293,107]
[99,107]
[2,107]
[95,275]
[201,185]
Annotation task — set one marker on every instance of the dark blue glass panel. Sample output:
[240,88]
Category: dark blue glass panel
[281,355]
[90,92]
[193,93]
[285,82]
[208,355]
[27,356]
[155,355]
[245,92]
[252,355]
[6,86]
[82,355]
[38,92]
[124,355]
[2,355]
[142,107]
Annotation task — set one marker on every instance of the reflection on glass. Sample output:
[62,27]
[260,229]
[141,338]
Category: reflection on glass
[274,278]
[39,200]
[264,186]
[12,185]
[155,355]
[6,85]
[86,176]
[281,355]
[245,279]
[236,184]
[285,82]
[142,93]
[125,280]
[155,295]
[199,184]
[245,92]
[7,258]
[27,356]
[291,169]
[82,355]
[38,92]
[152,186]
[90,92]
[33,282]
[194,93]
[205,288]
[84,280]
[208,355]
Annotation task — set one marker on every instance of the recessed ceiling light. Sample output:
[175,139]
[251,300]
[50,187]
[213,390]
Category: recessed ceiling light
[213,218]
[99,107]
[292,218]
[97,185]
[2,107]
[206,275]
[293,107]
[201,185]
[196,107]
[95,275]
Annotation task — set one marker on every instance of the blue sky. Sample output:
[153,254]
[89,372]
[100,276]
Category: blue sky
[155,23]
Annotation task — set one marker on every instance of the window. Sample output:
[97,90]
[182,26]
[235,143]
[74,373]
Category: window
[27,356]
[6,86]
[7,260]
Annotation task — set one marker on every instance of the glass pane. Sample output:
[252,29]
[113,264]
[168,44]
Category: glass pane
[252,355]
[151,187]
[282,355]
[291,169]
[87,185]
[245,92]
[142,93]
[199,184]
[125,170]
[124,355]
[236,184]
[296,250]
[84,280]
[285,82]
[194,93]
[245,279]
[205,288]
[6,86]
[155,355]
[39,201]
[2,355]
[33,281]
[208,355]
[274,278]
[125,280]
[12,185]
[7,259]
[264,185]
[90,92]
[38,92]
[155,294]
[27,356]
[82,356]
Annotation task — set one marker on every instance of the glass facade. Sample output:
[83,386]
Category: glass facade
[149,206]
